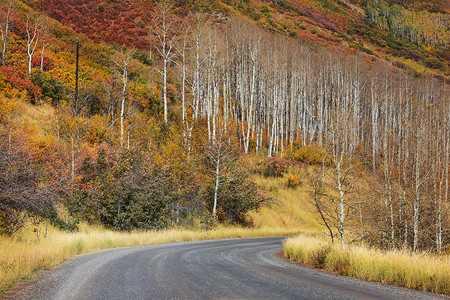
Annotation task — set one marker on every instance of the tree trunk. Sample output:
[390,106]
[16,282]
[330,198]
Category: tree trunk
[165,89]
[216,188]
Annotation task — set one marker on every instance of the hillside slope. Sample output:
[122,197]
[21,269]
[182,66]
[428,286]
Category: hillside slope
[414,37]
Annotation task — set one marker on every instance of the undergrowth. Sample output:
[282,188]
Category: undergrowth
[422,271]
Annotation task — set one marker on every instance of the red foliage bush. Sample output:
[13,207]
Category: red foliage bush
[36,63]
[117,22]
[20,80]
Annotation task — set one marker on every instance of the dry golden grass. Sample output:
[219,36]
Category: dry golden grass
[421,271]
[40,118]
[23,254]
[290,208]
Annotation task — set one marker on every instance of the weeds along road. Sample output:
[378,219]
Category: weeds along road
[220,269]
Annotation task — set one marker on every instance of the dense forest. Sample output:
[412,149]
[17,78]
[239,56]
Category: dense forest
[173,107]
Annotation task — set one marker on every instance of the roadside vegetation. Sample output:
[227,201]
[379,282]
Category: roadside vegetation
[422,270]
[24,254]
[42,246]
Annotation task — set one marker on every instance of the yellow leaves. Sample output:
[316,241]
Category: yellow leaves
[312,154]
[67,78]
[69,124]
[8,106]
[42,145]
[292,180]
[13,92]
[97,129]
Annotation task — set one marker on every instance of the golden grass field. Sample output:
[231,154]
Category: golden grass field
[422,271]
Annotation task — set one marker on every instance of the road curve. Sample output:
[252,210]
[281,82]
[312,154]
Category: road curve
[219,269]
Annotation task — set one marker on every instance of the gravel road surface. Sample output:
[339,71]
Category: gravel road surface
[219,269]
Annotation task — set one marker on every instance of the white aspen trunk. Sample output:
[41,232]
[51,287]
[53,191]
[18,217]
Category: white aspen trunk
[73,158]
[374,126]
[252,96]
[405,207]
[214,93]
[165,88]
[197,80]
[341,204]
[272,136]
[209,104]
[122,106]
[183,80]
[225,101]
[166,35]
[388,184]
[30,56]
[416,200]
[257,129]
[216,108]
[42,56]
[439,212]
[274,119]
[4,33]
[216,189]
[32,40]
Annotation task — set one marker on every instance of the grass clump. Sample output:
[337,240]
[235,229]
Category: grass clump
[422,271]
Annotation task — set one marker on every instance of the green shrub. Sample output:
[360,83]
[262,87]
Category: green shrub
[50,87]
[434,63]
[67,225]
[208,222]
[145,205]
[265,11]
[237,195]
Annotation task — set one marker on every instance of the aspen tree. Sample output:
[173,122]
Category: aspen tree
[45,32]
[122,61]
[5,27]
[220,156]
[164,36]
[33,30]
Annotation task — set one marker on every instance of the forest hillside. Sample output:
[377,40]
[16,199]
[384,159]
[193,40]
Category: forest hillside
[172,108]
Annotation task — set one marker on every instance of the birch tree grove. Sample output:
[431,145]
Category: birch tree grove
[5,27]
[381,135]
[278,94]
